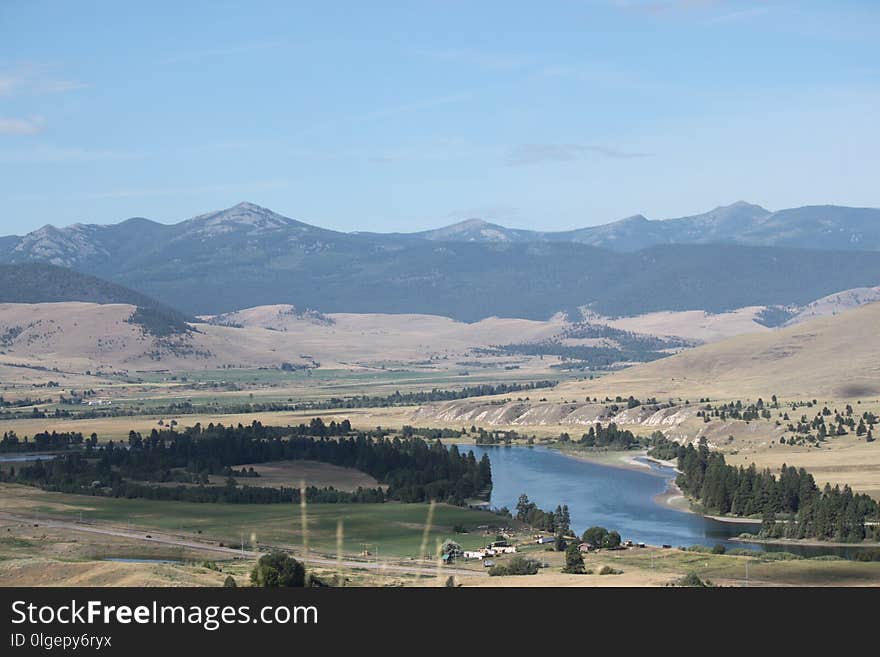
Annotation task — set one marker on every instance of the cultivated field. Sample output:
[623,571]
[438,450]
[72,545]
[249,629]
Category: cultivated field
[291,474]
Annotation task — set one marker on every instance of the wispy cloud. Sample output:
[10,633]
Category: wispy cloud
[222,51]
[36,79]
[21,126]
[741,15]
[539,153]
[62,155]
[478,58]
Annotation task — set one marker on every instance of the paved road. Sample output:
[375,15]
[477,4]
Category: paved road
[170,539]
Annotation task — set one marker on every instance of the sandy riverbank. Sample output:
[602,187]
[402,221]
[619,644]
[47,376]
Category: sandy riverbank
[615,459]
[672,497]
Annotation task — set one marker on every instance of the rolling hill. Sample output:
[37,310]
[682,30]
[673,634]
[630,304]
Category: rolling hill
[834,357]
[35,283]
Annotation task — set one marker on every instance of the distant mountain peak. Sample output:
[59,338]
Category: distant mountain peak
[250,207]
[473,222]
[244,215]
[743,204]
[473,229]
[634,219]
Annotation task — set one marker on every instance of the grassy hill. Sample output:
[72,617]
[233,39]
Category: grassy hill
[42,283]
[834,357]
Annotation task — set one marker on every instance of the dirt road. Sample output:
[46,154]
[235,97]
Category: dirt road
[150,536]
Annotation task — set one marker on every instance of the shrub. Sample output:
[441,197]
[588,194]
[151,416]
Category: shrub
[608,570]
[778,556]
[278,569]
[516,566]
[691,580]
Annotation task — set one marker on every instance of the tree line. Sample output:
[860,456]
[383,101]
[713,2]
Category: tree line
[396,398]
[412,469]
[790,505]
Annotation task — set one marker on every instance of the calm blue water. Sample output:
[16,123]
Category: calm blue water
[20,458]
[613,497]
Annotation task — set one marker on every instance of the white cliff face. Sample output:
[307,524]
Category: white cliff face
[516,413]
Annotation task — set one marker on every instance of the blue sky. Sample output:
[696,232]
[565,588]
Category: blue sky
[394,116]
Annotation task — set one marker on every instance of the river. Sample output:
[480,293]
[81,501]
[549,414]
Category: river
[613,497]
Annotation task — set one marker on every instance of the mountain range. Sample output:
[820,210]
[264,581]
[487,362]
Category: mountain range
[810,227]
[730,257]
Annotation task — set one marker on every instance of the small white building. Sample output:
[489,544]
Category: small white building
[482,553]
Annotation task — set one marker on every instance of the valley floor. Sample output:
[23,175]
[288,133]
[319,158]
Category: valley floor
[38,551]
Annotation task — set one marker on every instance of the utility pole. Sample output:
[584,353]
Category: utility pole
[747,572]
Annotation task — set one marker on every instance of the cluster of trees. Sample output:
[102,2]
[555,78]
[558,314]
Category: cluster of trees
[558,521]
[433,434]
[586,330]
[808,512]
[839,424]
[825,424]
[597,358]
[398,398]
[611,437]
[496,437]
[412,469]
[630,347]
[45,441]
[599,537]
[596,537]
[736,411]
[21,403]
